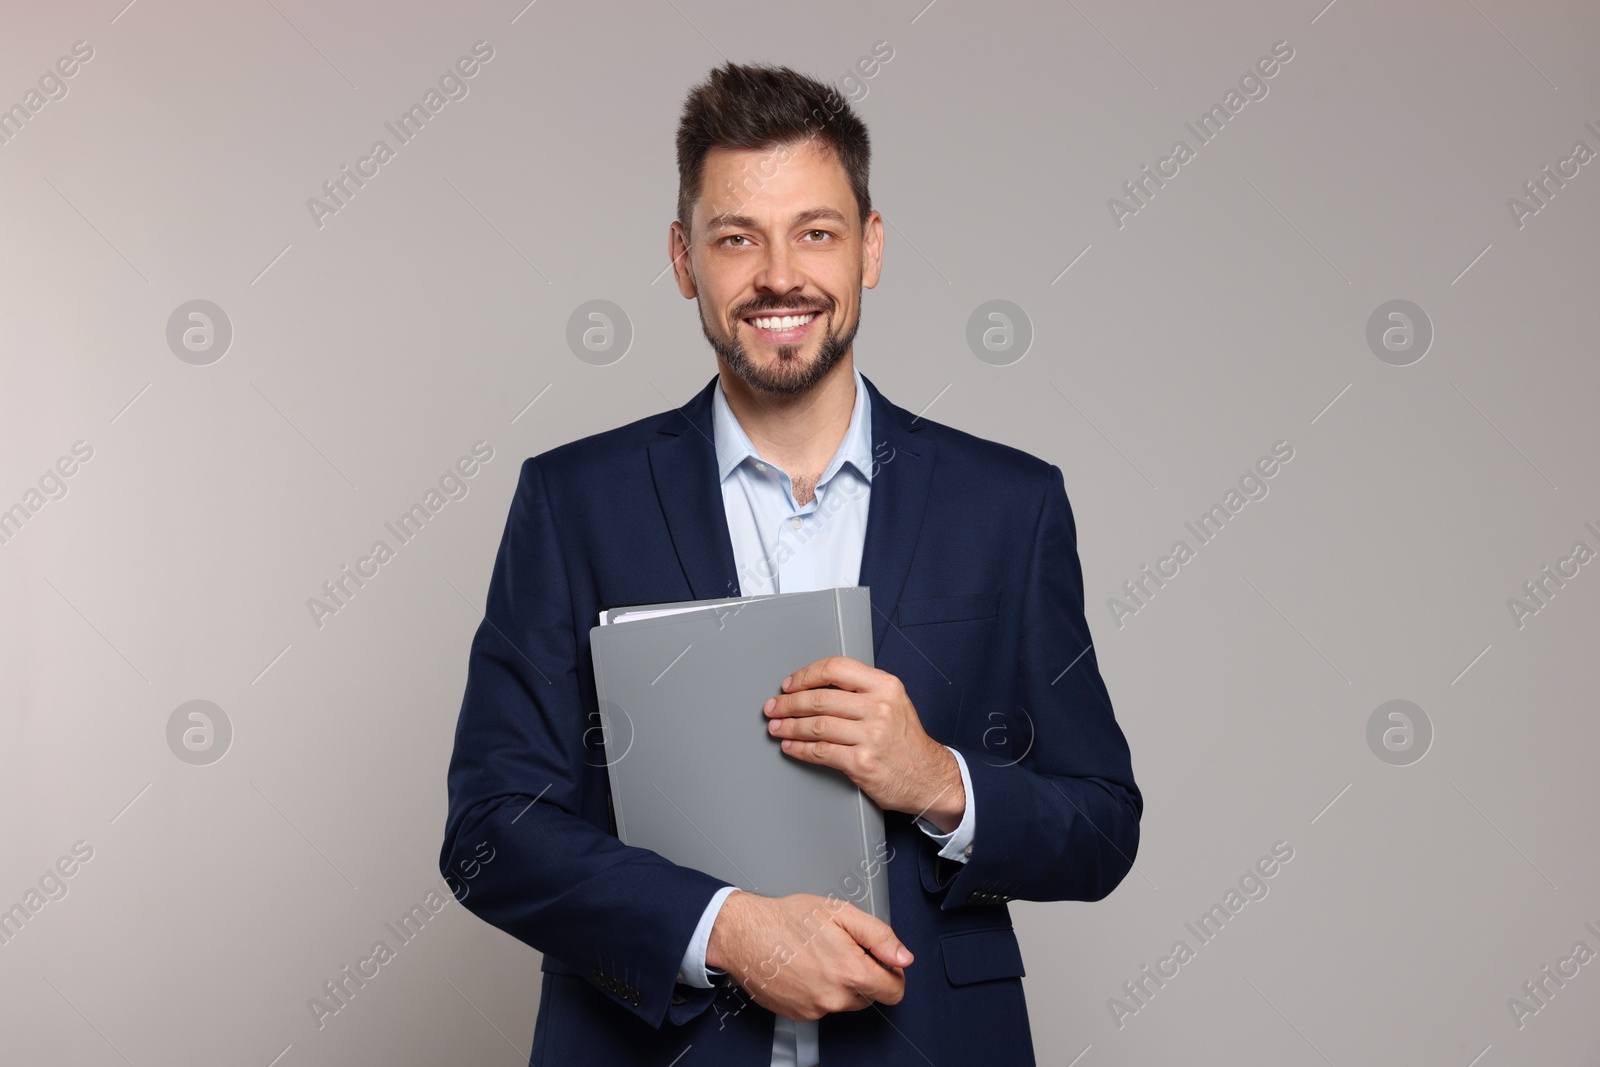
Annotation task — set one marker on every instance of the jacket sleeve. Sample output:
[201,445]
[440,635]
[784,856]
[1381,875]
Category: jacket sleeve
[618,915]
[1060,822]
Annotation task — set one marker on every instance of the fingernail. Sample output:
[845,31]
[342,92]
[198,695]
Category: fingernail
[786,682]
[903,956]
[786,744]
[771,703]
[774,726]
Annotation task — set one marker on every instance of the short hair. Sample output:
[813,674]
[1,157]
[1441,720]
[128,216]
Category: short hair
[760,106]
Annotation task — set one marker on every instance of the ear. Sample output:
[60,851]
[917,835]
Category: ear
[872,249]
[678,252]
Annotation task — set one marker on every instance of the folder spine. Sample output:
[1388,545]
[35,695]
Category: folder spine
[855,641]
[607,733]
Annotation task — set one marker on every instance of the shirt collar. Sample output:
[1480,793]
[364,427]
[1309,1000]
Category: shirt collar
[733,444]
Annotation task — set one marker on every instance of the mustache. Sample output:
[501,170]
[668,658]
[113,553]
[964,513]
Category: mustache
[776,304]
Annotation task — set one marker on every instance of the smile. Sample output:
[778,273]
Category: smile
[782,329]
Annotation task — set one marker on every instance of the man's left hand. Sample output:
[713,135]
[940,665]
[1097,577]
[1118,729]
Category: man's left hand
[867,728]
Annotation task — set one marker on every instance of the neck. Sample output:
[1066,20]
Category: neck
[798,433]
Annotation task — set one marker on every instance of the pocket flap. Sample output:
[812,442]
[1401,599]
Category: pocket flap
[980,955]
[556,966]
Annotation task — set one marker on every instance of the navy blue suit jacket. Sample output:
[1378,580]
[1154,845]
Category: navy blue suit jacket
[977,597]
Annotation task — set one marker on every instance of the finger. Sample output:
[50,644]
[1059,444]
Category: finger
[822,753]
[817,728]
[879,982]
[803,702]
[874,935]
[886,986]
[842,671]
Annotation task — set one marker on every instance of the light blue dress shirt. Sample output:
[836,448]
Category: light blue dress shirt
[782,547]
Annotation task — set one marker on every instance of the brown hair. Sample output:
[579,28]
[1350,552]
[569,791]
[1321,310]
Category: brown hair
[761,106]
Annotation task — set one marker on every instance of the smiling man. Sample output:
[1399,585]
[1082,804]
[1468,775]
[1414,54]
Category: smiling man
[985,732]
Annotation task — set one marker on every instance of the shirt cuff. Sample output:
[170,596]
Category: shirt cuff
[957,844]
[693,971]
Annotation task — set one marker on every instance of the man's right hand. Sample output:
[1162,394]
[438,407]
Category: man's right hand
[804,956]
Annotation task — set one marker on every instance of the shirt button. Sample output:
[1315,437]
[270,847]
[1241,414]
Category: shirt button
[967,852]
[795,522]
[761,466]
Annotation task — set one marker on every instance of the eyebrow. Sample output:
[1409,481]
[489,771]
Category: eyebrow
[729,220]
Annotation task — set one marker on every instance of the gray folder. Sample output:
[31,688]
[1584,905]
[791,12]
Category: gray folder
[696,777]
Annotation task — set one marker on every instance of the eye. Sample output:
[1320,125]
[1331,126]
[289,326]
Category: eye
[735,237]
[824,233]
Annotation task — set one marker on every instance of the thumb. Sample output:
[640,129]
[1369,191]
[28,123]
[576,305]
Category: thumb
[874,935]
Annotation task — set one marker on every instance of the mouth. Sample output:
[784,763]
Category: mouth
[782,329]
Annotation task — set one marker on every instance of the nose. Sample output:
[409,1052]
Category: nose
[780,270]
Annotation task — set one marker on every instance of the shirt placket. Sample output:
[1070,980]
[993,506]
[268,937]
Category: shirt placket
[796,554]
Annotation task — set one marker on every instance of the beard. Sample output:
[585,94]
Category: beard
[790,373]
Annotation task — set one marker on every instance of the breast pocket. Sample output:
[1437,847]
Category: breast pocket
[959,607]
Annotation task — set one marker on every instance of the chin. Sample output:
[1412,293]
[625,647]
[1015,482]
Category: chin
[781,370]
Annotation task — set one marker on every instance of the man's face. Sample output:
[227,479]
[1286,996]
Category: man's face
[777,258]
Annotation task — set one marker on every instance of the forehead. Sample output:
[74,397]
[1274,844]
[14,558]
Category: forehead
[770,184]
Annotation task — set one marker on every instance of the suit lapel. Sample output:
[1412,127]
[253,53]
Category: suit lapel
[683,465]
[902,471]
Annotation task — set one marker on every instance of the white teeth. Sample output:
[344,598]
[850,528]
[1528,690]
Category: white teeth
[784,322]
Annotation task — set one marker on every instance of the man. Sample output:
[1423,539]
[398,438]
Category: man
[985,732]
